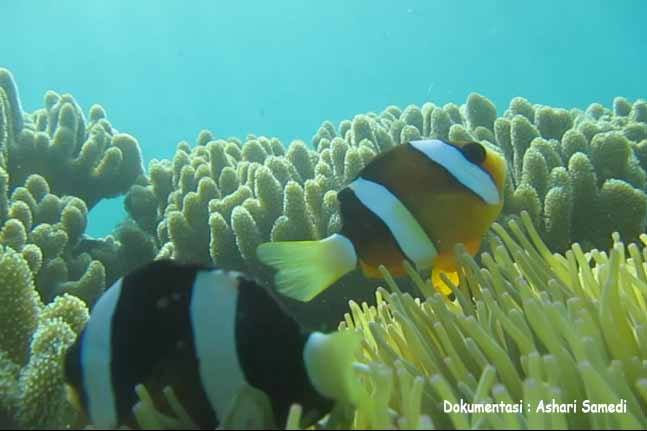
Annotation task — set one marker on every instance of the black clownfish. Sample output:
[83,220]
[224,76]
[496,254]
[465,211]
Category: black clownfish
[204,332]
[414,202]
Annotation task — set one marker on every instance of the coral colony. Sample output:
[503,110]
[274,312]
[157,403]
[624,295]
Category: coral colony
[553,307]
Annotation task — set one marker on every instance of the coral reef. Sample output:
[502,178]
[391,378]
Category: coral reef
[571,169]
[46,229]
[87,159]
[578,177]
[219,200]
[53,171]
[33,340]
[568,169]
[216,202]
[54,167]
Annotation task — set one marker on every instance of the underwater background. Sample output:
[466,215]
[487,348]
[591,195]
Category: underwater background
[221,126]
[166,70]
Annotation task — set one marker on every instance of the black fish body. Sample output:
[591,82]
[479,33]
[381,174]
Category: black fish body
[201,330]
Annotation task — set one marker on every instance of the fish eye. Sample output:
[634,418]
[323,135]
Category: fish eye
[474,152]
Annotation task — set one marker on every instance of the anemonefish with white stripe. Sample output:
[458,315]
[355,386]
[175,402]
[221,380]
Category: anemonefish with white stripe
[414,202]
[205,333]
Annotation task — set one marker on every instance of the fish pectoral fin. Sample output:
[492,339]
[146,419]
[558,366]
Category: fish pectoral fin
[368,270]
[439,284]
[251,408]
[329,360]
[307,268]
[73,397]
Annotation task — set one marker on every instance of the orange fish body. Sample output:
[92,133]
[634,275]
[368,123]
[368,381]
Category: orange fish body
[414,202]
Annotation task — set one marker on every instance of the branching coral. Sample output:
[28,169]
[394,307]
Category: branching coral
[223,192]
[86,159]
[54,167]
[216,202]
[11,121]
[568,169]
[47,230]
[33,340]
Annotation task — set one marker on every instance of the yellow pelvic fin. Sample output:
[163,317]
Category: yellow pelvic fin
[329,362]
[307,268]
[438,283]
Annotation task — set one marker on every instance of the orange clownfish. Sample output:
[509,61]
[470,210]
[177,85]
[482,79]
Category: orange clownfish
[414,202]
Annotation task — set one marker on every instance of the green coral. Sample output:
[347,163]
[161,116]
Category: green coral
[55,167]
[250,190]
[187,205]
[48,230]
[553,123]
[536,140]
[40,384]
[20,305]
[11,115]
[86,159]
[480,112]
[33,340]
[216,202]
[594,147]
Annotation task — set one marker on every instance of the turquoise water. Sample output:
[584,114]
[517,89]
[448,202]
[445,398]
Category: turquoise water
[163,70]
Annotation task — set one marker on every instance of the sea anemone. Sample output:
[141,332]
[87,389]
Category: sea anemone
[526,327]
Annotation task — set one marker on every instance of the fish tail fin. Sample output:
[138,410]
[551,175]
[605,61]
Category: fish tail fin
[307,268]
[329,360]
